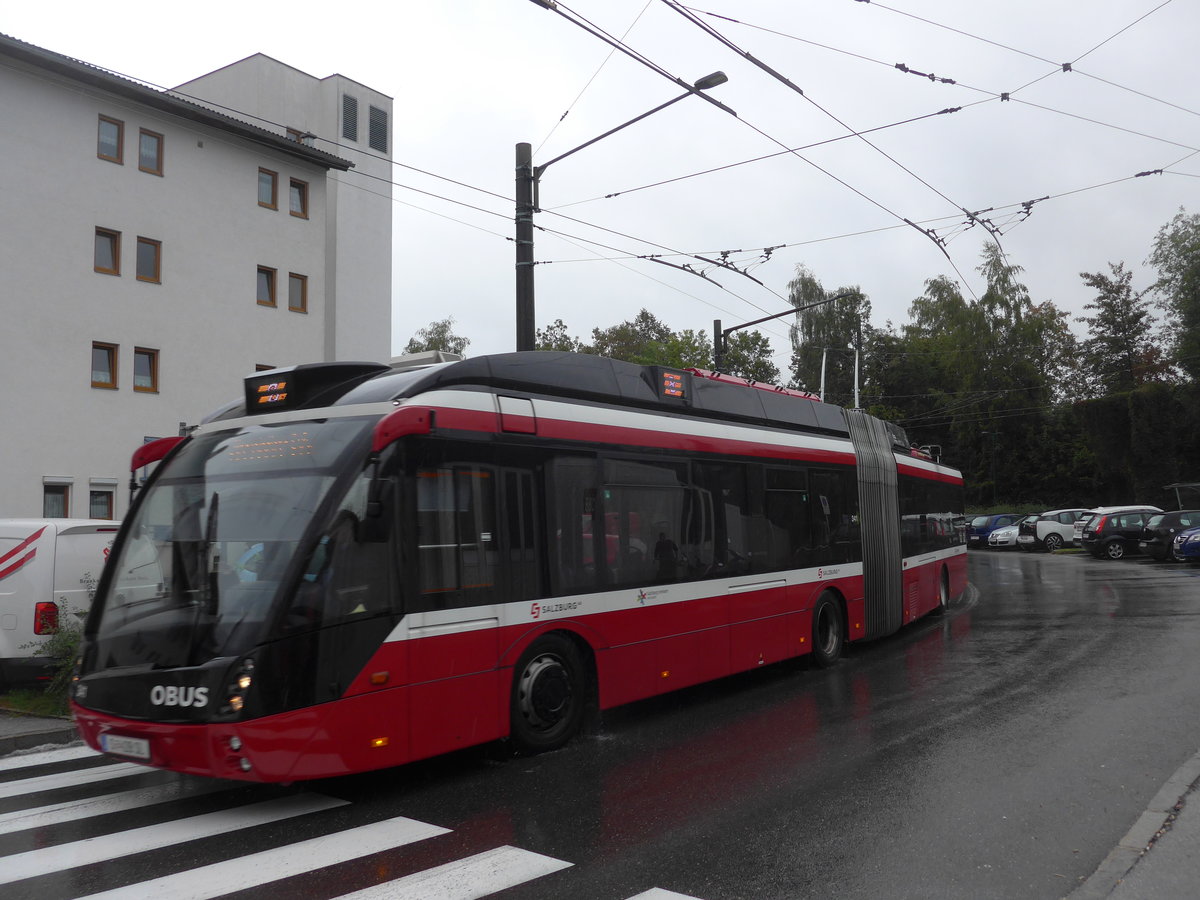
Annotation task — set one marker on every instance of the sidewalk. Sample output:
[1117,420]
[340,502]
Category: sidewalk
[1160,855]
[20,732]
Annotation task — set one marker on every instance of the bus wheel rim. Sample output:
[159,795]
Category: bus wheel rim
[545,692]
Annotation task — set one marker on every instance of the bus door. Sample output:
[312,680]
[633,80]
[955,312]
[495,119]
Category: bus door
[454,620]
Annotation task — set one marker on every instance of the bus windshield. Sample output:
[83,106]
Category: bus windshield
[212,547]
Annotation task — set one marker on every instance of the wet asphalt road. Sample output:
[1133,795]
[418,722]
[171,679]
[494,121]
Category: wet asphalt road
[999,751]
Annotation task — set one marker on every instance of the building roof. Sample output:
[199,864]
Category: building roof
[165,101]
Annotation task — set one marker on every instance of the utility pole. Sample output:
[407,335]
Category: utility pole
[527,176]
[524,236]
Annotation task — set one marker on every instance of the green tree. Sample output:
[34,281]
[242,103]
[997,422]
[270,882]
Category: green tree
[438,336]
[1176,256]
[748,355]
[1120,351]
[648,341]
[824,338]
[556,337]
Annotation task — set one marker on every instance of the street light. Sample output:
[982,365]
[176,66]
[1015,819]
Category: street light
[721,335]
[528,176]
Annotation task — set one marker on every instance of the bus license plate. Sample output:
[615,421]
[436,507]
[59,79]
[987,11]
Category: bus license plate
[138,748]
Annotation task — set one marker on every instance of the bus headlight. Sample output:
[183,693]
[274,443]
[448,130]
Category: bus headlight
[236,688]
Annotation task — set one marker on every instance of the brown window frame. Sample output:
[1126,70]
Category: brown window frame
[116,252]
[54,489]
[153,356]
[146,132]
[271,274]
[274,204]
[119,159]
[113,356]
[109,502]
[157,245]
[303,186]
[301,280]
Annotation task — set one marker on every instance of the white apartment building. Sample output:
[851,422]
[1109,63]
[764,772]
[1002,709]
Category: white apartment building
[156,249]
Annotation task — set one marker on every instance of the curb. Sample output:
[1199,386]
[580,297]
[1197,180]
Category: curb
[1139,840]
[41,731]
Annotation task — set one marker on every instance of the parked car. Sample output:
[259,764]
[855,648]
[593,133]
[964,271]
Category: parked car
[1051,530]
[1006,538]
[982,526]
[1100,510]
[1185,546]
[1159,535]
[48,568]
[1115,531]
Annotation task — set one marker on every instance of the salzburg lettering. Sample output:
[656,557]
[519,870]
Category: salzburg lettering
[539,609]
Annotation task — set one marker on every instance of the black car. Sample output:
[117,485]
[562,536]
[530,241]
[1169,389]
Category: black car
[1159,533]
[1113,534]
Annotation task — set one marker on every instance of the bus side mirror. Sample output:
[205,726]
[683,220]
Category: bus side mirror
[373,527]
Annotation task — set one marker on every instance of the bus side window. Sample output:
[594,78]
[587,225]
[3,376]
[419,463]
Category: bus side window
[571,508]
[733,526]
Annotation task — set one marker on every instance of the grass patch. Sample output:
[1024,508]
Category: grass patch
[35,702]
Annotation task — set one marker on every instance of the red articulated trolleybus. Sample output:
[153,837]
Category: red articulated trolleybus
[358,565]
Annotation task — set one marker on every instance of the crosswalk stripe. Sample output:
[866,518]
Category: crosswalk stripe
[266,866]
[41,758]
[660,894]
[73,810]
[153,837]
[69,779]
[466,879]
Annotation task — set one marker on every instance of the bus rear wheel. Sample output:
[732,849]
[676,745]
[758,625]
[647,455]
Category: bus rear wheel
[943,593]
[548,695]
[828,631]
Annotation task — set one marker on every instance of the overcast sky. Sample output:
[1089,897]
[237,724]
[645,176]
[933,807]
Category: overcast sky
[471,78]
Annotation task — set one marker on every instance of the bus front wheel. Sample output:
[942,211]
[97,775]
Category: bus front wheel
[548,695]
[828,631]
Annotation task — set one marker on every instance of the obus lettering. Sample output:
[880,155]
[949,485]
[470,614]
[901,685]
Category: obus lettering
[174,695]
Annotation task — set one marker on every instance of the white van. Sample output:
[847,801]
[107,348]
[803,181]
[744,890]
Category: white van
[48,568]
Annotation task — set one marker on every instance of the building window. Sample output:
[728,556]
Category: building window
[267,181]
[110,139]
[299,198]
[104,366]
[56,501]
[145,370]
[297,292]
[150,152]
[266,286]
[108,252]
[100,504]
[349,117]
[377,129]
[149,260]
